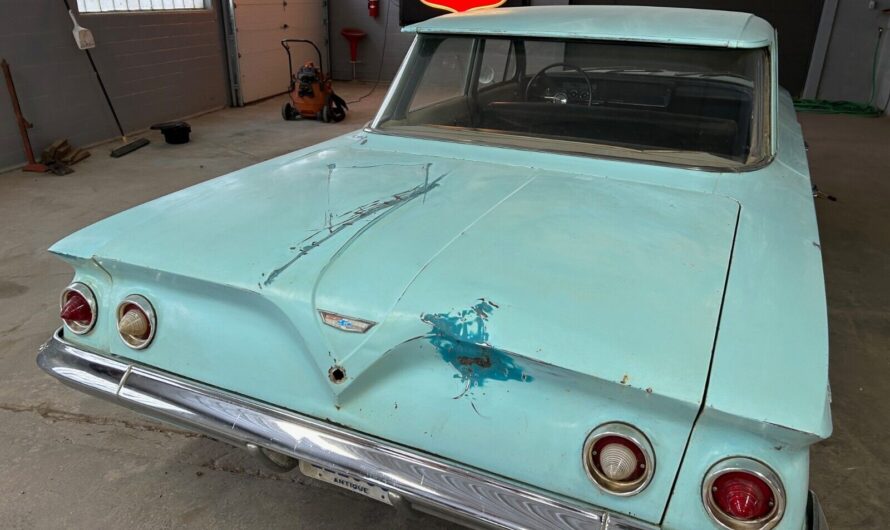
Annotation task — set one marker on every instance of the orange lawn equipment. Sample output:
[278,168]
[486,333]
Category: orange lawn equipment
[311,95]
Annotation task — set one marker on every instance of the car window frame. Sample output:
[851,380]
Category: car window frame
[767,116]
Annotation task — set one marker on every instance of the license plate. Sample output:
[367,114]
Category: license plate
[344,481]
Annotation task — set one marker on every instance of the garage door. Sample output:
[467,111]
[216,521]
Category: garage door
[260,26]
[796,21]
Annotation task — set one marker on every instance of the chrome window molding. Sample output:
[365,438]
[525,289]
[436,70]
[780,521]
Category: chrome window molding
[755,166]
[760,470]
[394,85]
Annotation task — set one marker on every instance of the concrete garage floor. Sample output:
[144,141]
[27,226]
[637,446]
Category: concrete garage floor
[72,460]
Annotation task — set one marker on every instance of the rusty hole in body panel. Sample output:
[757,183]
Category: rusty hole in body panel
[337,374]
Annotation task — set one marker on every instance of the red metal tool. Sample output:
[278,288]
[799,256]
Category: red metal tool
[24,125]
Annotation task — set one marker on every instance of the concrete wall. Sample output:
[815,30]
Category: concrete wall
[847,71]
[157,67]
[354,13]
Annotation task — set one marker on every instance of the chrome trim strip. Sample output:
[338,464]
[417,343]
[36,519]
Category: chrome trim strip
[754,166]
[422,480]
[394,85]
[815,516]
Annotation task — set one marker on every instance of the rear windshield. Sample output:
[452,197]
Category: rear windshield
[693,106]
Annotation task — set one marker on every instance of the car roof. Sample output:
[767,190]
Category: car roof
[701,27]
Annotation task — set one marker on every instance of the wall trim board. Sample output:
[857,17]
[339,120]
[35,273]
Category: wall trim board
[820,49]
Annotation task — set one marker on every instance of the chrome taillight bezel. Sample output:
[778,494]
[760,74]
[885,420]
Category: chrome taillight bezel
[630,433]
[758,469]
[83,290]
[145,306]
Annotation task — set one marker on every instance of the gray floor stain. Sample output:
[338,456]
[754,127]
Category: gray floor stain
[11,289]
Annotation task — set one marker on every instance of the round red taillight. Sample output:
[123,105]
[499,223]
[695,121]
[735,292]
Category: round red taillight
[136,321]
[619,459]
[743,494]
[77,308]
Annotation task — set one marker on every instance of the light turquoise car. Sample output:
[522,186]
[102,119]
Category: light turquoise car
[568,277]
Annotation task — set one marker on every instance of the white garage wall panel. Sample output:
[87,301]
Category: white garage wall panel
[261,25]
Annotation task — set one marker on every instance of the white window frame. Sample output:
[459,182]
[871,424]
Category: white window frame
[138,6]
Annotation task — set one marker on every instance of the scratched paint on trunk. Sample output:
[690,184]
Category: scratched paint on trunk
[336,224]
[462,339]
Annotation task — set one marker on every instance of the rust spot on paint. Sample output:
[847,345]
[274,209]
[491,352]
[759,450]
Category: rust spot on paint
[481,362]
[462,340]
[625,379]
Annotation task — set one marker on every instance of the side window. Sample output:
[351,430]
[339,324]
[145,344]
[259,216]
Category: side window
[542,53]
[446,75]
[498,62]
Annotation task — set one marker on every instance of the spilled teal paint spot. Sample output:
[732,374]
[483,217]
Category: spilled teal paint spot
[462,339]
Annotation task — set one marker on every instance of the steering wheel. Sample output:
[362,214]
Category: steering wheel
[541,73]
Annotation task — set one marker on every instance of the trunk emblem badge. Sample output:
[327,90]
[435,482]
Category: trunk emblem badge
[345,323]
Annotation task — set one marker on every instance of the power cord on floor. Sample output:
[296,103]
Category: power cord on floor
[382,54]
[848,107]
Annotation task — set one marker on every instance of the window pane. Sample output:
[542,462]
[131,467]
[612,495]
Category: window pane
[446,72]
[540,54]
[127,6]
[684,105]
[497,65]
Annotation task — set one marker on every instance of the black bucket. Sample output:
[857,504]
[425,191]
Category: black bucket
[175,132]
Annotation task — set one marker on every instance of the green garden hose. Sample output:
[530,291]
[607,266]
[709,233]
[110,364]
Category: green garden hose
[837,107]
[848,107]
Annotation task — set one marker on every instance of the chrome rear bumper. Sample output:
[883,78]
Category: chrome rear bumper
[424,482]
[815,516]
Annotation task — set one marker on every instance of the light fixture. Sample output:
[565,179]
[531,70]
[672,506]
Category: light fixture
[136,321]
[743,494]
[619,459]
[77,308]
